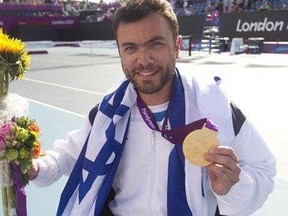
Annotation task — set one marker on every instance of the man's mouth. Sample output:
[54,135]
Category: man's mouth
[147,73]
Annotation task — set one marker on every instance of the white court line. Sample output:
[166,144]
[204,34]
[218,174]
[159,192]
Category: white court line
[57,108]
[66,87]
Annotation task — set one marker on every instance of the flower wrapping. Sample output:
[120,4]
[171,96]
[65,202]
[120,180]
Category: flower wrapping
[19,145]
[19,137]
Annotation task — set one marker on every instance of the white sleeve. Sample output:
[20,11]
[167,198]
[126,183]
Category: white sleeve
[258,167]
[60,161]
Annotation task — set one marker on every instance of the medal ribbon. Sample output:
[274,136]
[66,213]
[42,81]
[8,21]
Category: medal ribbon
[21,207]
[177,135]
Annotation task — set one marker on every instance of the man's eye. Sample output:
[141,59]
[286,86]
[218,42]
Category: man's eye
[155,44]
[129,48]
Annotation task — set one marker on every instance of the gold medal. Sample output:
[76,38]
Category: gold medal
[197,143]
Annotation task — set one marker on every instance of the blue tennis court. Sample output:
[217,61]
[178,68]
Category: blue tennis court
[66,83]
[54,124]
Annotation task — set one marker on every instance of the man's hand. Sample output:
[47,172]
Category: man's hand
[33,171]
[224,172]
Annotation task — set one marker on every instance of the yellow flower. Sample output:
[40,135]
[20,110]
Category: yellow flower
[14,57]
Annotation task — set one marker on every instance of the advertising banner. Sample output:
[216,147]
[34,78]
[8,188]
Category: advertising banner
[192,26]
[9,23]
[271,25]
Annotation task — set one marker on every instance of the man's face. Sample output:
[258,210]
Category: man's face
[148,53]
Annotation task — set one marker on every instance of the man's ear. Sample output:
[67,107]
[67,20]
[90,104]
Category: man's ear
[178,45]
[179,41]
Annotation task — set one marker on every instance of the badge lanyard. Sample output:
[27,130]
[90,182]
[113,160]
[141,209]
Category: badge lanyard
[177,135]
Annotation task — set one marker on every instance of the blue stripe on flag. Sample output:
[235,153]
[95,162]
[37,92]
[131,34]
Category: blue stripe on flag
[110,109]
[177,202]
[96,168]
[72,183]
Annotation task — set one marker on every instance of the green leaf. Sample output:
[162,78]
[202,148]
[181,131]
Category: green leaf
[29,141]
[25,165]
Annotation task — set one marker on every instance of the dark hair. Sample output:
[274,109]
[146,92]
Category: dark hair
[135,10]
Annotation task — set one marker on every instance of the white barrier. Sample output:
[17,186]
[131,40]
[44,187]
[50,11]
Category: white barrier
[237,45]
[42,47]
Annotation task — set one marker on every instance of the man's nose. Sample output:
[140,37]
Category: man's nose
[144,56]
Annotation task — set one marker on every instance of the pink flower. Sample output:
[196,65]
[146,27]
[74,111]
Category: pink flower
[6,128]
[2,142]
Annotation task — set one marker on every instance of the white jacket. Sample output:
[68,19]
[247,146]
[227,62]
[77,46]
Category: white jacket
[207,100]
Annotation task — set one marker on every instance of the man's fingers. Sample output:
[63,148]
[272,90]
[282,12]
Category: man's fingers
[225,151]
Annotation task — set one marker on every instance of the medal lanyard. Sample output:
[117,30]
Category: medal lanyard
[148,116]
[177,135]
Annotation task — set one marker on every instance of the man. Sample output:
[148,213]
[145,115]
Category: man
[132,162]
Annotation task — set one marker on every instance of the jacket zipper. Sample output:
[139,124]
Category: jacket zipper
[152,176]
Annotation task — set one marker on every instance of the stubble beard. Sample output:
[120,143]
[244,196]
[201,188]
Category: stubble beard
[149,86]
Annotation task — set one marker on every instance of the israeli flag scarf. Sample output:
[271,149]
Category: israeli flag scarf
[90,182]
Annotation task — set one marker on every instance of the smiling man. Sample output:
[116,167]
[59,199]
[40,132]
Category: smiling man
[132,162]
[148,56]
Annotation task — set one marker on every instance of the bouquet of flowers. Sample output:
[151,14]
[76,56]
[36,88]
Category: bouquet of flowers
[19,145]
[14,61]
